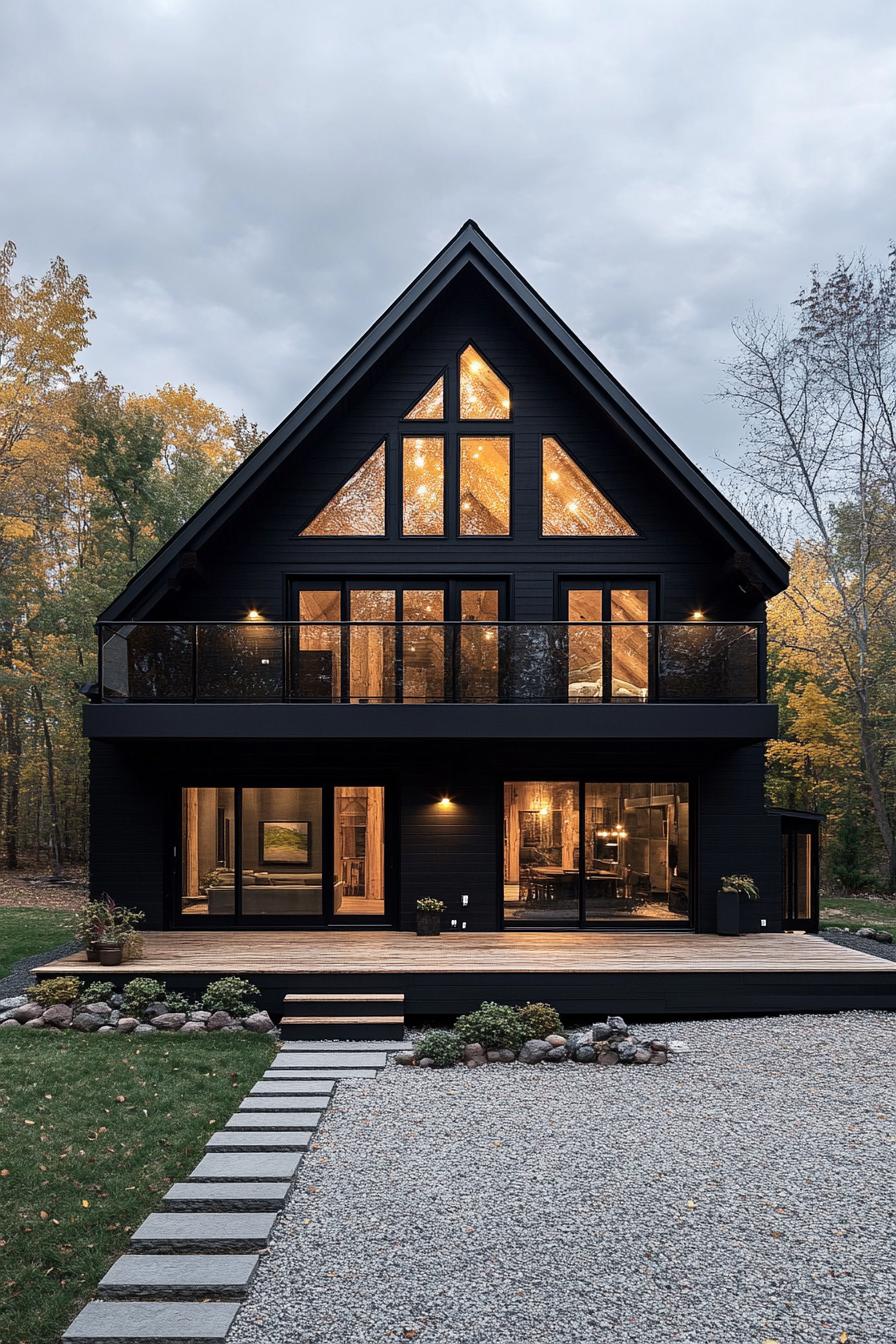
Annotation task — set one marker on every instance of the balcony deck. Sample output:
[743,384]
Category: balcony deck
[650,973]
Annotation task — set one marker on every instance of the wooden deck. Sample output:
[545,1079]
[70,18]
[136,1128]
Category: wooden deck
[386,953]
[649,974]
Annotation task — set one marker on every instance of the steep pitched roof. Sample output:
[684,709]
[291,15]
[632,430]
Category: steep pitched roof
[469,247]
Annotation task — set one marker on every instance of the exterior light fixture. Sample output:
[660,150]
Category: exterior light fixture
[253,614]
[444,801]
[697,615]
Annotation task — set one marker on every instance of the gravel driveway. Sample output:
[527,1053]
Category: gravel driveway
[743,1194]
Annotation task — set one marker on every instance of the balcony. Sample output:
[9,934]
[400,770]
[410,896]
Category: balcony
[444,663]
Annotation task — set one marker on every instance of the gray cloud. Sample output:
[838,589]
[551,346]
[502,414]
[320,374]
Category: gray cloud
[247,185]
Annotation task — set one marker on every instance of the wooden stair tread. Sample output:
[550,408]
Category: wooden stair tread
[339,1021]
[343,998]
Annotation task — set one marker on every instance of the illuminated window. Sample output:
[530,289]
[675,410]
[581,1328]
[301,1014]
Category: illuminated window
[423,487]
[571,504]
[484,487]
[483,396]
[431,405]
[358,509]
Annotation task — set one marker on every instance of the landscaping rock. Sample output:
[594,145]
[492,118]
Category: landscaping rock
[34,1022]
[116,1000]
[534,1052]
[476,1061]
[883,936]
[169,1021]
[557,1054]
[626,1050]
[608,1057]
[192,1028]
[258,1022]
[125,1024]
[218,1021]
[14,1001]
[105,1030]
[7,1014]
[642,1055]
[200,1015]
[473,1052]
[154,1010]
[404,1057]
[601,1032]
[27,1012]
[425,1063]
[555,1039]
[10,1022]
[98,1009]
[585,1054]
[59,1015]
[506,1056]
[144,1029]
[617,1024]
[87,1022]
[658,1057]
[114,1016]
[864,933]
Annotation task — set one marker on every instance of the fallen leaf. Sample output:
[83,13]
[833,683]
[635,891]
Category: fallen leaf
[85,1203]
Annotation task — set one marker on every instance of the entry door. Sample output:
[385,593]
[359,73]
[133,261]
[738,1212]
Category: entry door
[799,873]
[610,661]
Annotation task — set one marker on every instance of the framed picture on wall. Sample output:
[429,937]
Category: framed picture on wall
[287,842]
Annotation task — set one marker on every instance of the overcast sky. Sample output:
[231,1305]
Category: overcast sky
[247,184]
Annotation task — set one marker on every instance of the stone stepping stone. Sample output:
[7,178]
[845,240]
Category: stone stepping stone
[270,1141]
[218,1197]
[291,1086]
[164,1322]
[326,1059]
[342,1047]
[204,1232]
[303,1073]
[254,1120]
[247,1167]
[277,1102]
[179,1276]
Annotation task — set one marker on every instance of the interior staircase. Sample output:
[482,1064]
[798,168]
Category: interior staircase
[342,1017]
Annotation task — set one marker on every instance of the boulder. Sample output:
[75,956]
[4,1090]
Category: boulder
[555,1039]
[192,1028]
[87,1022]
[658,1057]
[114,1016]
[533,1052]
[200,1015]
[404,1057]
[864,933]
[424,1063]
[154,1010]
[476,1061]
[557,1054]
[98,1009]
[626,1050]
[10,1022]
[258,1022]
[125,1024]
[601,1032]
[642,1055]
[116,1000]
[474,1051]
[883,936]
[617,1024]
[169,1021]
[506,1056]
[14,1001]
[105,1030]
[27,1012]
[608,1057]
[585,1054]
[7,1014]
[144,1029]
[218,1021]
[34,1022]
[60,1015]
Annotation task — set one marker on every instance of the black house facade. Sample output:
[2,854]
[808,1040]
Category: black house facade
[467,625]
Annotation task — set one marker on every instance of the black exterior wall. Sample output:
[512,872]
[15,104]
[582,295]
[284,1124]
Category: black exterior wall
[432,851]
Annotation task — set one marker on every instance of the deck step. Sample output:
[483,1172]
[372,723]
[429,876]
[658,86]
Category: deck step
[136,1322]
[341,1028]
[343,998]
[183,1277]
[343,1017]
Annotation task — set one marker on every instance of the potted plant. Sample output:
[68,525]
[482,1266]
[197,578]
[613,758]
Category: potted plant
[737,905]
[107,929]
[91,926]
[429,917]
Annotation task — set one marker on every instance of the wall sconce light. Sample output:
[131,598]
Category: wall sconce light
[253,614]
[445,801]
[697,615]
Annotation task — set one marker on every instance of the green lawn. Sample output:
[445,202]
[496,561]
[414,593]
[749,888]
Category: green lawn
[856,912]
[24,930]
[93,1130]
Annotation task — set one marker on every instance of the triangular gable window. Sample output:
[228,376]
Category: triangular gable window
[571,504]
[483,395]
[358,508]
[431,405]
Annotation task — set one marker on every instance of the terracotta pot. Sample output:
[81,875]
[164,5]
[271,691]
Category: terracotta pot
[429,923]
[110,954]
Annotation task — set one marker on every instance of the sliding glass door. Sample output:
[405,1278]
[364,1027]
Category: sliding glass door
[582,853]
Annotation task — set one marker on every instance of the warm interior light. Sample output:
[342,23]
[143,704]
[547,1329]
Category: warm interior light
[475,366]
[554,476]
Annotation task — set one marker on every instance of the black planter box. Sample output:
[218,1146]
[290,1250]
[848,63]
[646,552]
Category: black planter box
[728,913]
[749,915]
[429,923]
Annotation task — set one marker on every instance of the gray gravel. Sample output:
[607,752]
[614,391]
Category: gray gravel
[885,950]
[19,974]
[744,1193]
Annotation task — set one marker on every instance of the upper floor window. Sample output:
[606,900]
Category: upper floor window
[423,487]
[571,504]
[358,508]
[484,487]
[431,405]
[483,395]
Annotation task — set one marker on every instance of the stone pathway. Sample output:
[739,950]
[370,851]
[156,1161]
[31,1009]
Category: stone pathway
[190,1265]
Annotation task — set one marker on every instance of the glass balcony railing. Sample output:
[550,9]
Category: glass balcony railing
[506,662]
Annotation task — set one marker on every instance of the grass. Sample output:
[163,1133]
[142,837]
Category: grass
[857,912]
[93,1130]
[25,930]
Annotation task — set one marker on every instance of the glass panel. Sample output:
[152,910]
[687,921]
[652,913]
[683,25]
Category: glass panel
[208,838]
[483,396]
[317,670]
[358,851]
[431,405]
[239,662]
[484,487]
[802,875]
[700,661]
[372,649]
[541,853]
[571,504]
[586,644]
[423,487]
[478,671]
[423,646]
[630,647]
[636,851]
[281,859]
[358,509]
[148,662]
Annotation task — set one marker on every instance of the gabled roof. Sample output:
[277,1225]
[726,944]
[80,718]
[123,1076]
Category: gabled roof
[469,247]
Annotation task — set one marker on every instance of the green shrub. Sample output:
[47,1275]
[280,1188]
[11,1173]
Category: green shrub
[444,1048]
[231,995]
[496,1026]
[98,991]
[140,992]
[179,1003]
[61,989]
[540,1020]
